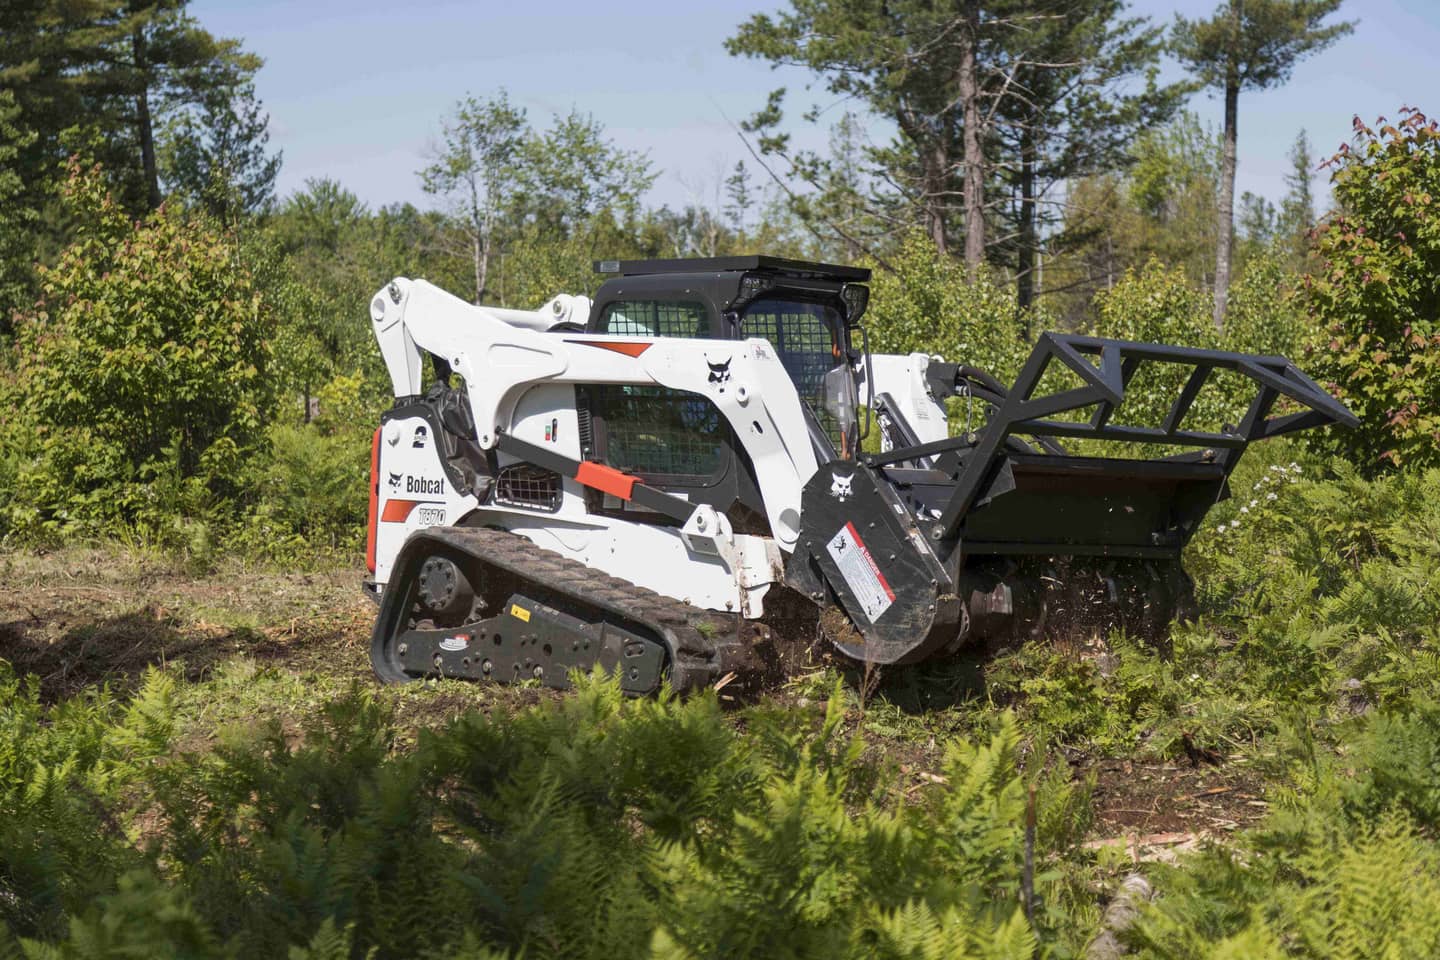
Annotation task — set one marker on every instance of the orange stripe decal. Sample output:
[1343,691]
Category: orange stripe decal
[605,479]
[629,348]
[398,511]
[374,501]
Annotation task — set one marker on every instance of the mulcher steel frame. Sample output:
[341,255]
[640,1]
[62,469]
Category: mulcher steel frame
[1104,388]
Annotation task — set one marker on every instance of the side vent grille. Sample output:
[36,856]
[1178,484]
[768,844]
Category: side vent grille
[528,486]
[587,428]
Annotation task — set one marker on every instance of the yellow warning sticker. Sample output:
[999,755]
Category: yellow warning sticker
[519,612]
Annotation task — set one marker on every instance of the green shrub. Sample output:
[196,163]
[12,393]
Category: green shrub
[1369,891]
[1375,298]
[143,373]
[1264,314]
[1326,583]
[306,496]
[1344,866]
[1158,305]
[926,305]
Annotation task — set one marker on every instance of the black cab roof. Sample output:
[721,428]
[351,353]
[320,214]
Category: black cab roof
[776,266]
[719,288]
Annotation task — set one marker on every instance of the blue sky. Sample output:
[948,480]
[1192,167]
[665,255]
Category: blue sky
[356,90]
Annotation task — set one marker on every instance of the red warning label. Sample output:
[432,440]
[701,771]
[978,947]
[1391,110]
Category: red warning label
[861,574]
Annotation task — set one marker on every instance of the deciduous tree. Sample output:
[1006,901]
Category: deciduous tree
[145,367]
[1375,294]
[478,171]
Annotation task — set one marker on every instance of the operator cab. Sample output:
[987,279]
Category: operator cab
[806,310]
[678,440]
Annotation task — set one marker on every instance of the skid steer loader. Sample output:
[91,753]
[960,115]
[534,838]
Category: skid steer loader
[624,481]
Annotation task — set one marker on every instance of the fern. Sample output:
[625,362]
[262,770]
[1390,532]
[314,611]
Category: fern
[329,943]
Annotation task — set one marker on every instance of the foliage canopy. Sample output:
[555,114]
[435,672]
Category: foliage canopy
[144,367]
[1375,296]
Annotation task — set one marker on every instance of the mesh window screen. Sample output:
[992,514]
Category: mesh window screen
[801,336]
[659,432]
[657,318]
[525,485]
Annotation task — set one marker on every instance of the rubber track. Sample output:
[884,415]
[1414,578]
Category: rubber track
[697,659]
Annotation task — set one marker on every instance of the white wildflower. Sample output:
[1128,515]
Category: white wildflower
[1272,496]
[1244,509]
[1234,524]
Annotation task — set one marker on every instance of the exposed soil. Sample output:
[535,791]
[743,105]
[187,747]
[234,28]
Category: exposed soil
[77,619]
[1154,798]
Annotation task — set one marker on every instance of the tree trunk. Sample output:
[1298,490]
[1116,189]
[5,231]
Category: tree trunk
[1225,221]
[968,88]
[145,127]
[478,249]
[935,177]
[1029,238]
[479,228]
[934,154]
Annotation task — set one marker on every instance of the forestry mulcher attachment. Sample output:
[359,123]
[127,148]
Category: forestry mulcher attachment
[624,481]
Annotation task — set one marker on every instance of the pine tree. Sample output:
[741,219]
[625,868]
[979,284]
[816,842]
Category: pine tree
[216,156]
[1249,45]
[740,197]
[1297,210]
[17,249]
[117,66]
[923,68]
[1076,112]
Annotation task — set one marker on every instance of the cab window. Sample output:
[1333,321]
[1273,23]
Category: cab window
[658,432]
[656,318]
[804,336]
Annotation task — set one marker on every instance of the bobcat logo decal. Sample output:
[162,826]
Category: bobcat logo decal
[719,372]
[395,480]
[840,487]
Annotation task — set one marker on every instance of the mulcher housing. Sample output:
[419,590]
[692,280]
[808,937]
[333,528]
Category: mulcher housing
[620,481]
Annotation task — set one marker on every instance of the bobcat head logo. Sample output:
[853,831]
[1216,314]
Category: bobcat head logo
[395,480]
[840,487]
[719,372]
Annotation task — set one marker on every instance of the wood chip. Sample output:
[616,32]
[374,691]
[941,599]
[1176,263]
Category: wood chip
[1211,792]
